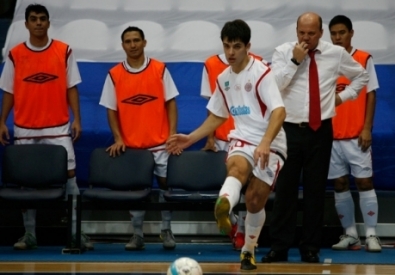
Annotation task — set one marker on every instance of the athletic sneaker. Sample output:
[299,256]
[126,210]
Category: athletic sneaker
[136,243]
[247,261]
[168,239]
[373,244]
[238,241]
[347,242]
[28,241]
[221,213]
[85,242]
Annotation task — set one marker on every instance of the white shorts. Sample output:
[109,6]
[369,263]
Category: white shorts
[270,173]
[221,145]
[161,157]
[347,156]
[66,142]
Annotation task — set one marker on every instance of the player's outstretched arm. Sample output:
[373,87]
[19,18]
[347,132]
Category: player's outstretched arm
[178,142]
[210,142]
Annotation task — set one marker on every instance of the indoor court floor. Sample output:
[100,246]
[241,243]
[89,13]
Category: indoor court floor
[111,258]
[208,268]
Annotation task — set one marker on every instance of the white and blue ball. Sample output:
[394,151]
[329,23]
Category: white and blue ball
[184,266]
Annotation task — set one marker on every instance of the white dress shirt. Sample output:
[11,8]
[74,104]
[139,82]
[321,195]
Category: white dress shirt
[293,81]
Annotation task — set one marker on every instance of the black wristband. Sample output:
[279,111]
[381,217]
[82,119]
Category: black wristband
[295,62]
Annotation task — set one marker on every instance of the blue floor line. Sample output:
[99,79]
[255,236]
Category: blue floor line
[199,252]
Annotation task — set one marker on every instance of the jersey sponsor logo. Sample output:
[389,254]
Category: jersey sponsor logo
[240,110]
[40,78]
[340,87]
[139,99]
[237,87]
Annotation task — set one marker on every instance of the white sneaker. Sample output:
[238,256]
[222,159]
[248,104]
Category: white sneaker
[347,242]
[373,244]
[28,241]
[136,243]
[168,239]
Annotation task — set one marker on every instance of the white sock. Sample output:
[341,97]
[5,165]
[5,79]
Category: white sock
[242,217]
[72,187]
[166,214]
[231,189]
[253,226]
[29,221]
[369,208]
[345,209]
[74,216]
[137,218]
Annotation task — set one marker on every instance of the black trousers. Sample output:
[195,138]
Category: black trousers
[308,156]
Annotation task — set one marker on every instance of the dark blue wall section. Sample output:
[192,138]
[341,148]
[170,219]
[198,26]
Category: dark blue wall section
[384,130]
[192,112]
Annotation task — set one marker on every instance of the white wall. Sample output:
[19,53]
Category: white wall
[188,30]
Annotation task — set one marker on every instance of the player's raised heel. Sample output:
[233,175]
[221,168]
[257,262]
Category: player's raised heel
[221,212]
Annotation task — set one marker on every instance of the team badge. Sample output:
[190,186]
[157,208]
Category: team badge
[227,86]
[248,86]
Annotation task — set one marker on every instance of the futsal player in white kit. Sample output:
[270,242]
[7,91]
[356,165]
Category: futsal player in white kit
[247,91]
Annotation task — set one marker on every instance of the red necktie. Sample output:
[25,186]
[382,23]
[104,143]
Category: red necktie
[315,101]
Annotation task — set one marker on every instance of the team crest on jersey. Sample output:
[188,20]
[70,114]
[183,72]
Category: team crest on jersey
[248,86]
[227,87]
[40,78]
[139,99]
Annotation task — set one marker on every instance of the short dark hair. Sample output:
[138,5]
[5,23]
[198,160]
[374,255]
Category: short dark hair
[37,8]
[236,30]
[133,29]
[341,19]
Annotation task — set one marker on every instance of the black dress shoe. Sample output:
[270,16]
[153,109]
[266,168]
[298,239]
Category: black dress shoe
[274,256]
[310,257]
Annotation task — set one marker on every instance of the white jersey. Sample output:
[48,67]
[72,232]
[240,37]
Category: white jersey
[205,90]
[250,97]
[373,83]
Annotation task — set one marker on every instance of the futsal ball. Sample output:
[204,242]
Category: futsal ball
[184,266]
